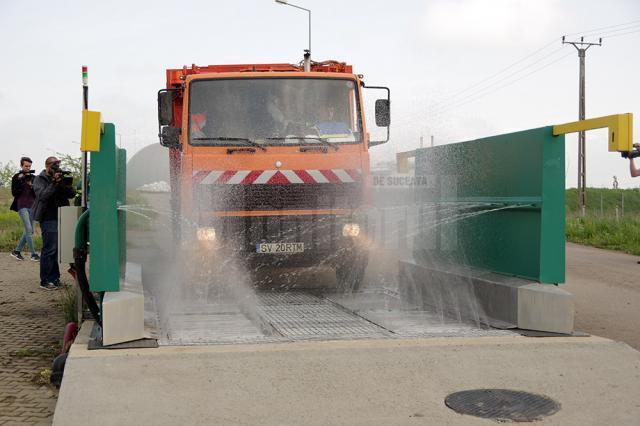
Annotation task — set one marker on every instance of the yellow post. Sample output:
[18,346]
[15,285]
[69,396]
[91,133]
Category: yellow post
[620,129]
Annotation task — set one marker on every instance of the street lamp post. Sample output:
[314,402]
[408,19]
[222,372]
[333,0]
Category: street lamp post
[307,54]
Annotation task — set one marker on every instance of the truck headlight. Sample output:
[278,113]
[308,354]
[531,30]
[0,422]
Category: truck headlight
[206,234]
[350,230]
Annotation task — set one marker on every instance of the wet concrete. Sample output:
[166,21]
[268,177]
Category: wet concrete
[595,380]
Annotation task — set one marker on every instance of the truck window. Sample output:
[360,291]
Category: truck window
[275,111]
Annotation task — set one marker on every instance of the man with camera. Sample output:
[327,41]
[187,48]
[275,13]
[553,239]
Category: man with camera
[53,188]
[23,197]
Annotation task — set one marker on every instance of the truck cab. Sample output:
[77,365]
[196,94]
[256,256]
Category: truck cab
[270,163]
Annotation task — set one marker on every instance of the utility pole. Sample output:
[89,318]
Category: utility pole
[582,47]
[421,142]
[431,141]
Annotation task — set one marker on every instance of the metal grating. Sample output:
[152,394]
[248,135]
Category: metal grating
[299,315]
[223,323]
[502,404]
[304,316]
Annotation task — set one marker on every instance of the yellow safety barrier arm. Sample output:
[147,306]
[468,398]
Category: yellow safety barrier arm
[402,160]
[620,129]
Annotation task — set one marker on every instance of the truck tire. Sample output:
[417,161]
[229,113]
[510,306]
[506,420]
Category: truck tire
[350,275]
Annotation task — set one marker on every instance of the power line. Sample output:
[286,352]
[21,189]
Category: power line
[455,101]
[447,103]
[504,69]
[584,33]
[502,86]
[623,34]
[499,81]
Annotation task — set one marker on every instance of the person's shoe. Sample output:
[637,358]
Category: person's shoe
[59,284]
[17,255]
[35,257]
[48,286]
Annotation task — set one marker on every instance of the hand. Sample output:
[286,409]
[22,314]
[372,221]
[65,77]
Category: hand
[636,145]
[57,177]
[21,175]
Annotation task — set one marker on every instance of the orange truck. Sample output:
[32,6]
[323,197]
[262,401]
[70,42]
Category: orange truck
[269,163]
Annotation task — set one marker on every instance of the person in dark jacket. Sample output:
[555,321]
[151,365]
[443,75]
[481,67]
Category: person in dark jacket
[23,197]
[52,191]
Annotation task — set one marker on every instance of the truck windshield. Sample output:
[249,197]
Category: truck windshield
[274,111]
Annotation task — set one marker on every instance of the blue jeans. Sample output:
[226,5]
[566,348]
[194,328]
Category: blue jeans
[49,270]
[27,221]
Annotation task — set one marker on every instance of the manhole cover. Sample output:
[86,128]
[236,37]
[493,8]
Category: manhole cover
[502,404]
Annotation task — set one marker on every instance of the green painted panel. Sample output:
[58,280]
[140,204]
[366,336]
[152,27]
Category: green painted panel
[495,203]
[121,176]
[104,260]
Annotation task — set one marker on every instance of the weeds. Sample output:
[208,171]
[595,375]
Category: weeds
[24,353]
[67,302]
[606,232]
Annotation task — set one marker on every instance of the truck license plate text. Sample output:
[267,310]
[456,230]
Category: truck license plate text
[276,248]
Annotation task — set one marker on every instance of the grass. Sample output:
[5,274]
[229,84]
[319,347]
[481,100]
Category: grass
[11,226]
[610,198]
[606,232]
[600,227]
[67,302]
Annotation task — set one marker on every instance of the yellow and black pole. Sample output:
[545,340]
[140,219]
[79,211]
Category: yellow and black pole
[85,106]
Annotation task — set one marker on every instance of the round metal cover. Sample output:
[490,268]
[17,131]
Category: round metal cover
[502,404]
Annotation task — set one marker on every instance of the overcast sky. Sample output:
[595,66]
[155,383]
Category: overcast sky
[427,52]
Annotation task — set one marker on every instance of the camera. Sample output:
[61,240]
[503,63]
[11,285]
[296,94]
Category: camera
[67,178]
[631,154]
[28,175]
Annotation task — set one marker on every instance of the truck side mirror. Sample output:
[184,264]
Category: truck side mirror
[383,113]
[383,116]
[170,136]
[165,107]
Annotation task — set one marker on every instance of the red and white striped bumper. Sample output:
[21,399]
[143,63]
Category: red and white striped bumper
[275,177]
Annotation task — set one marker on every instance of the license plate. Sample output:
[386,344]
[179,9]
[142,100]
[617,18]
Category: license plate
[277,248]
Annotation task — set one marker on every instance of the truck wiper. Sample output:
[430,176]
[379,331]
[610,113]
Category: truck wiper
[234,139]
[324,141]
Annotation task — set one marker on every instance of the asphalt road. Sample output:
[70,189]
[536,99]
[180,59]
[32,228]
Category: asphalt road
[606,287]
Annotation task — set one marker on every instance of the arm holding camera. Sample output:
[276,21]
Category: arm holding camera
[632,165]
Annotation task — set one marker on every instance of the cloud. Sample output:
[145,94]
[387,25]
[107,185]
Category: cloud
[481,23]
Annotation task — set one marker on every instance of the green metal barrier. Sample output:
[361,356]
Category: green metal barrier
[107,224]
[495,203]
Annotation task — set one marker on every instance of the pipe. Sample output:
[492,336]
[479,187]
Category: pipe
[80,260]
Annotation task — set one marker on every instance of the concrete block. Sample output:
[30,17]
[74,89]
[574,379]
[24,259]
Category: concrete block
[498,300]
[123,317]
[133,278]
[67,220]
[545,307]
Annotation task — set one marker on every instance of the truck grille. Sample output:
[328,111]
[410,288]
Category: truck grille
[316,231]
[277,197]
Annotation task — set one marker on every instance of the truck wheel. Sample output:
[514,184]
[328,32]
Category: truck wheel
[349,276]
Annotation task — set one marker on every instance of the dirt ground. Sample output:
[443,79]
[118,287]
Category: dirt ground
[606,288]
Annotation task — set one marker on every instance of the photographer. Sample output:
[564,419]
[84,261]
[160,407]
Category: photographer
[23,197]
[53,188]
